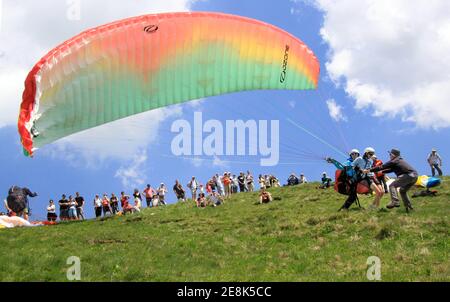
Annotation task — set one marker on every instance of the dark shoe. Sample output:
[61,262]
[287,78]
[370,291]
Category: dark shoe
[393,205]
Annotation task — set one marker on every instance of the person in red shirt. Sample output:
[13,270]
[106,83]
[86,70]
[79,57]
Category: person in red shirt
[149,192]
[380,175]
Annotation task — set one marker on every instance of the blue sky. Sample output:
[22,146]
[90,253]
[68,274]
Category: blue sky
[398,113]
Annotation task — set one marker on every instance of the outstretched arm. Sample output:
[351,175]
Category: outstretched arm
[29,193]
[337,164]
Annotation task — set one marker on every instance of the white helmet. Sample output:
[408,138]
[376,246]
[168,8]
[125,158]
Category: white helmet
[369,150]
[354,151]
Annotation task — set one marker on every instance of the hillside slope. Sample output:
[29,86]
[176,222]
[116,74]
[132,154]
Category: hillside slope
[301,237]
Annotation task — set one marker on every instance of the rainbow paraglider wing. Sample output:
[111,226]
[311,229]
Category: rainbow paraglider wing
[147,62]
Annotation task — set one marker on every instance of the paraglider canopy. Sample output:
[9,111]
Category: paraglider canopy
[143,63]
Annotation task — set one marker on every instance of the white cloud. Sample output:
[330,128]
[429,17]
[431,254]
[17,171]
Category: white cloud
[195,104]
[11,85]
[133,175]
[392,56]
[217,162]
[335,111]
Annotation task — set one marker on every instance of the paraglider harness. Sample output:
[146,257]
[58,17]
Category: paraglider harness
[347,185]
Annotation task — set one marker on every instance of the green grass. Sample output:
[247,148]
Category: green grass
[301,237]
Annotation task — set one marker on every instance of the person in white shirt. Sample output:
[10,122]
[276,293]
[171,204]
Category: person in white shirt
[302,179]
[98,206]
[162,190]
[435,162]
[193,186]
[51,211]
[250,182]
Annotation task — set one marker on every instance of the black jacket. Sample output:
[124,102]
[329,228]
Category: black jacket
[398,166]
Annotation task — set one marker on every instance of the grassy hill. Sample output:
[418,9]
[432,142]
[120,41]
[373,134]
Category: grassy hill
[298,238]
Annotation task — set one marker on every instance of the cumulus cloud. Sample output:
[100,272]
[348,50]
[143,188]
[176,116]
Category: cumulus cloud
[336,111]
[133,175]
[391,56]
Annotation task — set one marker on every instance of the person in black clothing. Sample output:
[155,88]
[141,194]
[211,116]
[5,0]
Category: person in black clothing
[80,203]
[179,191]
[136,194]
[326,181]
[17,201]
[292,180]
[63,208]
[114,203]
[241,182]
[406,178]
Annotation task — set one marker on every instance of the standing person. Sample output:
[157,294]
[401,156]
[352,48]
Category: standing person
[17,201]
[193,186]
[162,190]
[97,206]
[114,203]
[63,208]
[226,184]
[179,191]
[406,178]
[380,175]
[364,163]
[106,206]
[350,176]
[149,192]
[72,209]
[241,182]
[51,211]
[209,187]
[219,185]
[212,184]
[250,182]
[435,162]
[234,184]
[262,182]
[267,180]
[80,204]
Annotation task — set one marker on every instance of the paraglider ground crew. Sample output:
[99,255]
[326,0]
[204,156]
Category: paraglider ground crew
[435,162]
[17,201]
[406,178]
